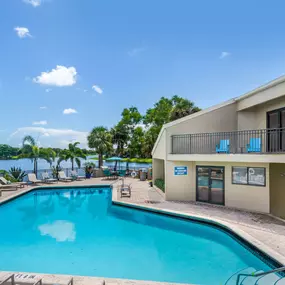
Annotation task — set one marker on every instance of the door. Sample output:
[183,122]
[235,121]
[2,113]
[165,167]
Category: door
[276,134]
[210,184]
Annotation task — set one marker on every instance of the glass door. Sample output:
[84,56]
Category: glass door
[276,134]
[210,184]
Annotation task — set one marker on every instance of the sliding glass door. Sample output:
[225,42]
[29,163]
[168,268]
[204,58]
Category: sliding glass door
[276,134]
[210,184]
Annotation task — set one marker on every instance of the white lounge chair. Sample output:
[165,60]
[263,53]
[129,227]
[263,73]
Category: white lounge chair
[47,179]
[62,177]
[75,174]
[33,178]
[5,184]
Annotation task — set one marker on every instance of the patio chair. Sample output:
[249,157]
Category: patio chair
[76,176]
[107,173]
[63,177]
[47,179]
[254,145]
[125,190]
[223,147]
[5,182]
[122,173]
[33,178]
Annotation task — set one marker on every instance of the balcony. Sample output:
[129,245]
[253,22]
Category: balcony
[263,141]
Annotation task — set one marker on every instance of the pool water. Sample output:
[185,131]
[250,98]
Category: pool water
[80,232]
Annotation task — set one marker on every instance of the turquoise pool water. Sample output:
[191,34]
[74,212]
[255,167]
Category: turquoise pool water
[79,232]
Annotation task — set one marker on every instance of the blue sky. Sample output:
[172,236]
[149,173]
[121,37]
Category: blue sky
[52,52]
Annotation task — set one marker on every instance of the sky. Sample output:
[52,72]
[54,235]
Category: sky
[67,66]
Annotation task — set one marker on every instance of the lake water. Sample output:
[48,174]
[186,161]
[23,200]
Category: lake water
[26,164]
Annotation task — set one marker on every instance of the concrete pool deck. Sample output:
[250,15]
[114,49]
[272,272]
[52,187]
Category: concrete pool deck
[264,231]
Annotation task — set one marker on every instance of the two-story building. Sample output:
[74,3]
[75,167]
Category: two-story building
[231,154]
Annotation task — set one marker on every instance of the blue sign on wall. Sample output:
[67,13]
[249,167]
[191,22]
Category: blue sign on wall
[180,170]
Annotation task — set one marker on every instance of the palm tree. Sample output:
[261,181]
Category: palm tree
[34,152]
[73,153]
[120,138]
[182,107]
[101,140]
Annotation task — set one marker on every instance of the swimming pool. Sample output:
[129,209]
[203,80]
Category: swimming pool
[78,231]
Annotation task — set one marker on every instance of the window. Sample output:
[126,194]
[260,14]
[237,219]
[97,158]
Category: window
[248,176]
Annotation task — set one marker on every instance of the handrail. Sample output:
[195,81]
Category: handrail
[260,274]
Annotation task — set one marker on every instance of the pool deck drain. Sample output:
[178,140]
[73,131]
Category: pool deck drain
[263,231]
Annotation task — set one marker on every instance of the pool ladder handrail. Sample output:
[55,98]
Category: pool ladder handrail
[262,274]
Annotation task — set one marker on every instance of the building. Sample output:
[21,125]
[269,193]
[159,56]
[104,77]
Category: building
[232,154]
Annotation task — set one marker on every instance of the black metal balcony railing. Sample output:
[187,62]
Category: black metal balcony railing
[250,141]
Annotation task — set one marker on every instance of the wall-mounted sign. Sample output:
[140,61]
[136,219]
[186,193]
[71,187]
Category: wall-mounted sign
[180,170]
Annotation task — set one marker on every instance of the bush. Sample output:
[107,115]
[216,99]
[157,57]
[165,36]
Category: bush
[159,183]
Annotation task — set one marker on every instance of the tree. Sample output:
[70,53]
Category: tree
[73,153]
[120,138]
[101,140]
[182,107]
[137,142]
[163,112]
[34,152]
[7,151]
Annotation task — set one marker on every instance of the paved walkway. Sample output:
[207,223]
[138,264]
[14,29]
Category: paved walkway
[267,230]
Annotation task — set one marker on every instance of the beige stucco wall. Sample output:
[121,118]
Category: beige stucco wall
[255,118]
[277,190]
[157,169]
[179,188]
[221,120]
[263,96]
[160,148]
[253,198]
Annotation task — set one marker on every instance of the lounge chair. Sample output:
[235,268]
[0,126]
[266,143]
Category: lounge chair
[33,178]
[125,190]
[10,187]
[254,145]
[223,147]
[5,182]
[76,176]
[62,177]
[47,179]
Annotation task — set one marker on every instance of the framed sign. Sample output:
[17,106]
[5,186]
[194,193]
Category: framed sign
[180,170]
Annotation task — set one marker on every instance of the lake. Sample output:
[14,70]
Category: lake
[27,165]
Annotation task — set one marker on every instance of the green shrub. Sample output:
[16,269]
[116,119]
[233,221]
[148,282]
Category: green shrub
[159,183]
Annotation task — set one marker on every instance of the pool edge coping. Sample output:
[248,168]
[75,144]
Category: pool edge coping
[235,230]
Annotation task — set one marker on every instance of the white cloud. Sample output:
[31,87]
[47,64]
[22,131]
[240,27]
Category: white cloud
[59,76]
[224,54]
[136,51]
[49,136]
[40,123]
[48,90]
[43,107]
[69,111]
[97,89]
[59,230]
[22,32]
[34,3]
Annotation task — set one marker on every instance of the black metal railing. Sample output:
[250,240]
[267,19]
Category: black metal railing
[249,141]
